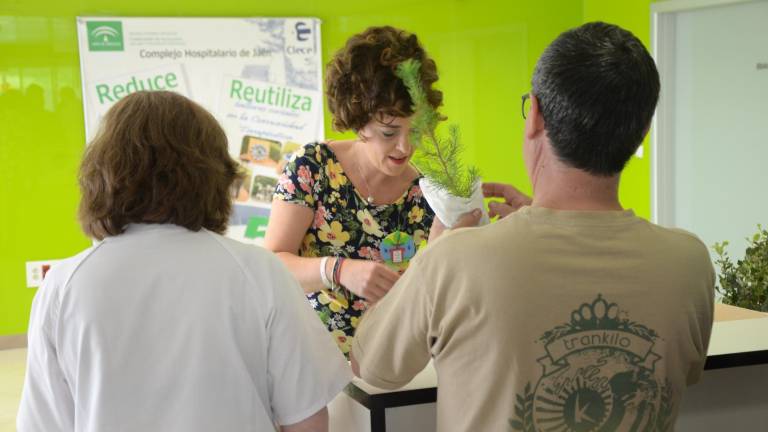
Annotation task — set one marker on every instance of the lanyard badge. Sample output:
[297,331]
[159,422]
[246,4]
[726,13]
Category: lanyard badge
[397,249]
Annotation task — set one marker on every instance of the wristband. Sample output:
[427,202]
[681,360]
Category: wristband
[323,274]
[335,276]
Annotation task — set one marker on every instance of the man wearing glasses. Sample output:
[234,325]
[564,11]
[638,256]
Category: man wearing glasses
[570,313]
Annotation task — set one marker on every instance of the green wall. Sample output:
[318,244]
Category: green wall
[635,16]
[485,51]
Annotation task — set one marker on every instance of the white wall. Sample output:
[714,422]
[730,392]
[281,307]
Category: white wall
[716,151]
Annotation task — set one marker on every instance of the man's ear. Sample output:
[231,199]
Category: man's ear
[534,123]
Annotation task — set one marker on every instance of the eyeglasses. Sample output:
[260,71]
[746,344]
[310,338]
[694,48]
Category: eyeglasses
[526,97]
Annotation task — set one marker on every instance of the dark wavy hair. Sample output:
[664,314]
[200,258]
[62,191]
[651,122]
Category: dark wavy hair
[158,158]
[360,79]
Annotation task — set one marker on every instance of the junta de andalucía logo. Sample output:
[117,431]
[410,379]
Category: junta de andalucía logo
[105,35]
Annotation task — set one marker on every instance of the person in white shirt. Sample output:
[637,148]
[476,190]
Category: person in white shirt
[166,325]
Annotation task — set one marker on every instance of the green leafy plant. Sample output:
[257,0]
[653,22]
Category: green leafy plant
[745,283]
[437,157]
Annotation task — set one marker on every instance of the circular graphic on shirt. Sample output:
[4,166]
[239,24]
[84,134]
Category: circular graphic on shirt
[598,375]
[397,249]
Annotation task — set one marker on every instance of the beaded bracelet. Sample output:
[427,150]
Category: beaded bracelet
[341,264]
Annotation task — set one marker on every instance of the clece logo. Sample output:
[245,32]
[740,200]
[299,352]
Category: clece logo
[597,375]
[105,35]
[302,31]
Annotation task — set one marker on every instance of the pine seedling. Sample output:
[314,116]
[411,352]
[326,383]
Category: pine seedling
[437,157]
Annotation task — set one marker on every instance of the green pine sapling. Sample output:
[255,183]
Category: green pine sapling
[437,157]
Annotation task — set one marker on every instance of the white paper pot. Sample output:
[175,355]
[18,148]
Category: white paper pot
[448,208]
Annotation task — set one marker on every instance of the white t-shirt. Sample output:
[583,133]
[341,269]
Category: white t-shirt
[164,329]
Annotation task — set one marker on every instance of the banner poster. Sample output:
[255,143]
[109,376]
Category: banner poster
[260,78]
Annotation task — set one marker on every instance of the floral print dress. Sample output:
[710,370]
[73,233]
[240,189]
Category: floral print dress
[346,225]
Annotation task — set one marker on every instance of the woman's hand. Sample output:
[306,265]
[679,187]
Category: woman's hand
[513,199]
[467,220]
[368,279]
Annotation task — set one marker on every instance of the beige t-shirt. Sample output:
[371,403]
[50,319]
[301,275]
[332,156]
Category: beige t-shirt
[549,321]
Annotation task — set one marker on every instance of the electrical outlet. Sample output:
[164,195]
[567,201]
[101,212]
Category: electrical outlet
[36,271]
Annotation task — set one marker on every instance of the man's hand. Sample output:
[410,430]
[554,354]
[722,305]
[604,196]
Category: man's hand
[513,199]
[468,219]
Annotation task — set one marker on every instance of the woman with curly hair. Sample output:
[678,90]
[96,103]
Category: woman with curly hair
[348,215]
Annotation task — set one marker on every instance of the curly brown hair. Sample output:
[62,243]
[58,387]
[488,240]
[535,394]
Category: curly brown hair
[158,158]
[361,82]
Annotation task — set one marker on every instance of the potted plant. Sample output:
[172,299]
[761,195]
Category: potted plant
[745,283]
[451,189]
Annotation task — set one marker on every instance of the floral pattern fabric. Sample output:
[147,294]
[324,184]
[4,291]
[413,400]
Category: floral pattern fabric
[345,225]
